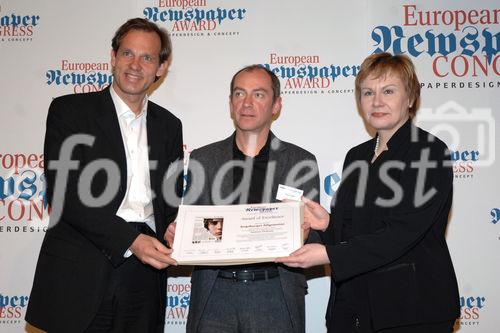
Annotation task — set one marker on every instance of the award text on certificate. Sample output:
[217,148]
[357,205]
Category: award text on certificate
[237,234]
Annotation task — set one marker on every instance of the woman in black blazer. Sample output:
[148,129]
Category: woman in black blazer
[385,238]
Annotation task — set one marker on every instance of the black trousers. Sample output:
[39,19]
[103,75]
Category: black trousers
[345,320]
[132,301]
[441,327]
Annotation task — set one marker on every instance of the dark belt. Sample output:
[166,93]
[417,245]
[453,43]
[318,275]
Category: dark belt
[143,228]
[249,275]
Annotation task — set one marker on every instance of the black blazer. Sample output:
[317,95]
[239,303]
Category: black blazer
[79,252]
[399,252]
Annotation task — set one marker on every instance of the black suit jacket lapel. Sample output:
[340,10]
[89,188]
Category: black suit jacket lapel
[108,122]
[155,141]
[348,191]
[277,155]
[155,134]
[224,156]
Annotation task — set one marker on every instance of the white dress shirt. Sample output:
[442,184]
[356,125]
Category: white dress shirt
[137,205]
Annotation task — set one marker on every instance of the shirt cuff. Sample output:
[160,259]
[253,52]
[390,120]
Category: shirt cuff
[127,254]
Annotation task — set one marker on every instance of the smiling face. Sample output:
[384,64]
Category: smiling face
[251,102]
[384,103]
[136,64]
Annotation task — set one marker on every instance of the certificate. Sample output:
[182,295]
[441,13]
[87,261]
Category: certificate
[237,234]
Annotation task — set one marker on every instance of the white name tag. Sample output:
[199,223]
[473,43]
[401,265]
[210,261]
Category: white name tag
[289,193]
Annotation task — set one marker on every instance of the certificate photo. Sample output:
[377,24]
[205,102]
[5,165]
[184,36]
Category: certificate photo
[237,234]
[211,232]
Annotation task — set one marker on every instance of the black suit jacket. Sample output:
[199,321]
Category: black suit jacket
[80,250]
[399,252]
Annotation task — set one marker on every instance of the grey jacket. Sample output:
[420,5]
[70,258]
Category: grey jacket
[286,158]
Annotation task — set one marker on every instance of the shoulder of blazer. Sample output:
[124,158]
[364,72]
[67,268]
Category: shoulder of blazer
[162,114]
[82,98]
[425,138]
[294,151]
[76,108]
[359,152]
[224,147]
[430,145]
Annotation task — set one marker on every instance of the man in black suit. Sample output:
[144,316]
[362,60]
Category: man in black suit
[101,264]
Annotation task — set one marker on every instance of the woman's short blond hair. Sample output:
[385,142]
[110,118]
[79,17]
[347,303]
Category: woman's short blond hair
[382,64]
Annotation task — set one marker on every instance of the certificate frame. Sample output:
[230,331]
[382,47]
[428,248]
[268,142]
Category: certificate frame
[241,234]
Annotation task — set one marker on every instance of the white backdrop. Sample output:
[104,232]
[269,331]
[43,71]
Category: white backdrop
[60,47]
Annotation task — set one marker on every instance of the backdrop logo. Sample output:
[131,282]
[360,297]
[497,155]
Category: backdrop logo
[305,74]
[15,27]
[23,204]
[464,163]
[194,18]
[12,308]
[83,77]
[460,43]
[178,296]
[331,183]
[460,127]
[470,309]
[495,215]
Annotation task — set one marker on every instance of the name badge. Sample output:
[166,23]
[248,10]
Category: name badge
[288,193]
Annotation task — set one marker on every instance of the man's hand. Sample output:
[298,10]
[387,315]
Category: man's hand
[306,228]
[150,251]
[170,234]
[307,256]
[315,216]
